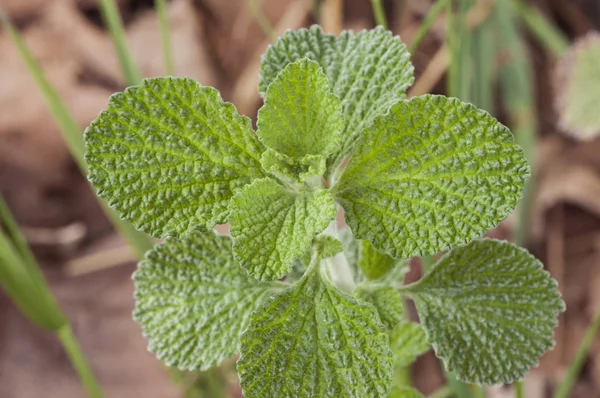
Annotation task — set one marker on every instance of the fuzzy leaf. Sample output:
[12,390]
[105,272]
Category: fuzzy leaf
[368,71]
[404,392]
[295,171]
[311,340]
[169,154]
[489,310]
[578,88]
[193,300]
[272,227]
[301,116]
[386,300]
[407,341]
[374,264]
[431,174]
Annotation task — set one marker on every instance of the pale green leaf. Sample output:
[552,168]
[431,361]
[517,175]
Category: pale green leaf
[351,248]
[431,174]
[311,340]
[369,71]
[169,154]
[578,88]
[489,310]
[272,227]
[404,392]
[294,171]
[407,341]
[193,300]
[386,300]
[372,263]
[301,116]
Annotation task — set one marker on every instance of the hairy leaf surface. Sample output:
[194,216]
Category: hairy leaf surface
[407,341]
[193,300]
[169,154]
[368,71]
[431,174]
[301,116]
[489,310]
[272,226]
[311,340]
[386,300]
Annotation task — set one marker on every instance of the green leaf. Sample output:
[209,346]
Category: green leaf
[311,340]
[369,71]
[386,300]
[374,264]
[272,227]
[489,310]
[404,392]
[578,88]
[169,154]
[193,300]
[431,174]
[301,116]
[407,341]
[293,170]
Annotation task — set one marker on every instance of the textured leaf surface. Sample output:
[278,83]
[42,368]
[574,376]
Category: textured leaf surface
[193,300]
[432,174]
[374,264]
[295,171]
[301,116]
[489,310]
[404,392]
[368,71]
[272,227]
[578,88]
[311,340]
[407,341]
[169,154]
[386,300]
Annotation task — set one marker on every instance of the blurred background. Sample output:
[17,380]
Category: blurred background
[535,65]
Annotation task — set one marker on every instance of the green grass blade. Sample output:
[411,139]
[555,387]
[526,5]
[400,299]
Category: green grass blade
[65,334]
[115,26]
[379,13]
[427,23]
[163,23]
[542,29]
[14,233]
[71,132]
[518,98]
[564,388]
[261,19]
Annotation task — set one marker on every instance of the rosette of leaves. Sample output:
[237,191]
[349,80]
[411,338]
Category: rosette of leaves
[424,175]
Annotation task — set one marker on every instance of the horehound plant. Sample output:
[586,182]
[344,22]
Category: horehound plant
[317,312]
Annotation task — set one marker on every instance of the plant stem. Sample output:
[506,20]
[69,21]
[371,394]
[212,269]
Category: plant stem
[543,30]
[519,389]
[444,392]
[71,133]
[65,334]
[115,26]
[427,23]
[262,20]
[578,360]
[15,235]
[379,13]
[163,22]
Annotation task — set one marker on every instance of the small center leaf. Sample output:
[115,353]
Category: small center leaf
[301,116]
[272,226]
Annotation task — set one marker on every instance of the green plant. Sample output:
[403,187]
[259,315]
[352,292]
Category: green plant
[414,177]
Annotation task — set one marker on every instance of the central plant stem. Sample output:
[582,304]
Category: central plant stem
[337,267]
